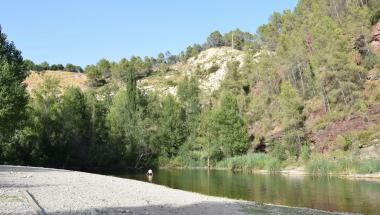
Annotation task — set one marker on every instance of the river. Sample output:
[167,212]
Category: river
[325,193]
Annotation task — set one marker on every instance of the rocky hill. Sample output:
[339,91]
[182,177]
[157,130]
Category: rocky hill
[210,66]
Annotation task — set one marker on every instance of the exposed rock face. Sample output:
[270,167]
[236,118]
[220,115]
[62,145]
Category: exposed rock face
[344,126]
[218,57]
[375,43]
[371,152]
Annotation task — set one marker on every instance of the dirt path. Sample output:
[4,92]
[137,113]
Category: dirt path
[68,192]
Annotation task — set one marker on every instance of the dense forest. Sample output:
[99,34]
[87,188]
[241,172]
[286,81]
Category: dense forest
[318,64]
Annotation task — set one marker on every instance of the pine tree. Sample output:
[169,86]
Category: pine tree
[231,129]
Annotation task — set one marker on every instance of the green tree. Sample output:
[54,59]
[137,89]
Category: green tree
[13,96]
[215,39]
[94,75]
[102,153]
[123,117]
[232,132]
[207,138]
[233,81]
[44,65]
[188,94]
[104,66]
[291,107]
[239,40]
[75,127]
[73,68]
[29,65]
[269,33]
[192,51]
[47,124]
[119,70]
[161,58]
[57,67]
[172,127]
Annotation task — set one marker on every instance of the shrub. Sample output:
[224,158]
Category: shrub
[320,167]
[305,152]
[345,165]
[171,83]
[368,166]
[344,143]
[273,165]
[213,69]
[278,150]
[163,161]
[257,161]
[365,137]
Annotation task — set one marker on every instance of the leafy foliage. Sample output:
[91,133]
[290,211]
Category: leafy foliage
[13,97]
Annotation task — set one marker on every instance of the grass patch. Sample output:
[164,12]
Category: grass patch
[320,167]
[273,165]
[258,161]
[365,137]
[332,116]
[323,166]
[368,166]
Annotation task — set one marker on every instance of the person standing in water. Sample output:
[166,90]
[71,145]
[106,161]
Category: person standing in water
[150,175]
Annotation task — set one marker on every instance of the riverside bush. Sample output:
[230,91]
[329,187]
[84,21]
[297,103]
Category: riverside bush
[324,166]
[368,166]
[273,165]
[321,167]
[257,161]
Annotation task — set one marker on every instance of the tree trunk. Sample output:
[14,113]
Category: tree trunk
[344,97]
[325,100]
[208,161]
[336,10]
[300,74]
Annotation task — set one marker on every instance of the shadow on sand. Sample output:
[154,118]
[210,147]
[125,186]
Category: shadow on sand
[204,208]
[9,168]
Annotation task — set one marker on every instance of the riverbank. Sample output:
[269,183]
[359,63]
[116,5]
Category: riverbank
[328,165]
[300,171]
[292,171]
[25,190]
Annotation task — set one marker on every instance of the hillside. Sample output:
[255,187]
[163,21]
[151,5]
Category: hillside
[65,79]
[210,68]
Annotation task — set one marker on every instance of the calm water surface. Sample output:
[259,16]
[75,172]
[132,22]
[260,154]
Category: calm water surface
[326,193]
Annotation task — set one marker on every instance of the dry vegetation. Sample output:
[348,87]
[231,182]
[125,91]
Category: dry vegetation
[65,79]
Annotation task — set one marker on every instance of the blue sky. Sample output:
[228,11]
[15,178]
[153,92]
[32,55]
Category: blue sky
[83,31]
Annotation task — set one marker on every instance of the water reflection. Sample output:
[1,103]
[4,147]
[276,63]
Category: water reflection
[326,193]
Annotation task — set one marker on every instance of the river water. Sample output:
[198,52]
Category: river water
[325,193]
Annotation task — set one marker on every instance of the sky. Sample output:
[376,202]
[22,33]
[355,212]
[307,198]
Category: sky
[83,31]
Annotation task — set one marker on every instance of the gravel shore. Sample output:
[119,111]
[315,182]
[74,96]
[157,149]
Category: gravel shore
[53,191]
